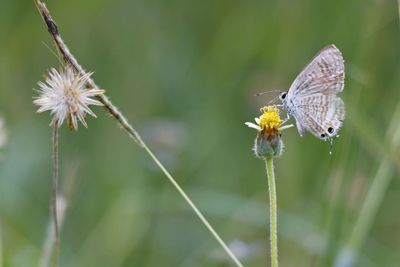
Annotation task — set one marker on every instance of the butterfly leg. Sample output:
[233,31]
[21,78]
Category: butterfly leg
[286,119]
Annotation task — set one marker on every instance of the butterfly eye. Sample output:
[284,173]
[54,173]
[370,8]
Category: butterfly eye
[283,95]
[330,130]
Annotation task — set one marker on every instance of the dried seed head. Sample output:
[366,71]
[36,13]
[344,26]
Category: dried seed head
[64,94]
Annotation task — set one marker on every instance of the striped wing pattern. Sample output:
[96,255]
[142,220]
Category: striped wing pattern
[312,97]
[324,74]
[322,115]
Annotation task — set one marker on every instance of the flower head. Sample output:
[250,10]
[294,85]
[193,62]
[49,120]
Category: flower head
[269,121]
[65,95]
[268,142]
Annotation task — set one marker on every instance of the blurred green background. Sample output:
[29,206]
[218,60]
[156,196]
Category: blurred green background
[185,74]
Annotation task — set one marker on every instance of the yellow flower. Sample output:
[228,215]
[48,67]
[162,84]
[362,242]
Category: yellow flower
[269,122]
[268,142]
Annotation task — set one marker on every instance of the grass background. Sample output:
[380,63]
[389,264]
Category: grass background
[185,74]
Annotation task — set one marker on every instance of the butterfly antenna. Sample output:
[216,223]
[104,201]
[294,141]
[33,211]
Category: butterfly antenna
[274,100]
[266,92]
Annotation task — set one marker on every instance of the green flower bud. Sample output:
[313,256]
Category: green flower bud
[266,145]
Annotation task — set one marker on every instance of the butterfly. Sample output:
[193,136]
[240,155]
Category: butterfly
[312,98]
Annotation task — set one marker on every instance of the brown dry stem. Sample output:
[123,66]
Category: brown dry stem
[70,59]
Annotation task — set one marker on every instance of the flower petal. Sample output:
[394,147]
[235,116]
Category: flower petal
[254,126]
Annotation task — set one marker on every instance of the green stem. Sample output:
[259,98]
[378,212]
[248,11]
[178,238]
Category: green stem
[371,205]
[1,247]
[373,200]
[193,206]
[70,59]
[272,211]
[54,194]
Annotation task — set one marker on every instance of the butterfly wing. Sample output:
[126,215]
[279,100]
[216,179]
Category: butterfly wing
[323,75]
[320,114]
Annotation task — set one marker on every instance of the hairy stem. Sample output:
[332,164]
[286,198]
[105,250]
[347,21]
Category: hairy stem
[272,211]
[70,59]
[115,113]
[48,247]
[54,193]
